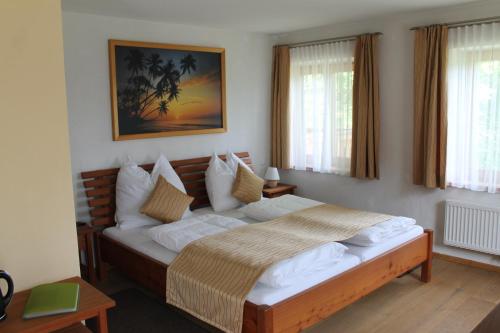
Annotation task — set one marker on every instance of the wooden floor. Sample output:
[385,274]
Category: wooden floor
[457,299]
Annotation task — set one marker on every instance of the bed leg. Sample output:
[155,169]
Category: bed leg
[102,267]
[426,272]
[265,319]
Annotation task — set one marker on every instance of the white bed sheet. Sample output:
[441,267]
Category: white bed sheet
[138,240]
[366,253]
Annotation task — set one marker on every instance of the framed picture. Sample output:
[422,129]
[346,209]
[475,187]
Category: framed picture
[165,90]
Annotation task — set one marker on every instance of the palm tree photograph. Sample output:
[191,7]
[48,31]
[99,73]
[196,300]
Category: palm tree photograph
[166,90]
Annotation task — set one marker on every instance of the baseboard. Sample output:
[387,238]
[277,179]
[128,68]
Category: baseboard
[467,262]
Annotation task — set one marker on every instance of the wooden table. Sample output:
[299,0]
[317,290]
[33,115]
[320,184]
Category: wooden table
[92,304]
[281,189]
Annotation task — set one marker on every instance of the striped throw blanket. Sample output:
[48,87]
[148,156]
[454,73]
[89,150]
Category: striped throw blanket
[211,277]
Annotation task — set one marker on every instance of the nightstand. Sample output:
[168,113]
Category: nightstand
[92,304]
[85,235]
[281,189]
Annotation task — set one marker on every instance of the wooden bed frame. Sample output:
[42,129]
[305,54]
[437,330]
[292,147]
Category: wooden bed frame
[290,315]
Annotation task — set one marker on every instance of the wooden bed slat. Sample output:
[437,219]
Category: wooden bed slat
[101,211]
[100,182]
[104,221]
[100,191]
[192,168]
[195,185]
[100,185]
[192,177]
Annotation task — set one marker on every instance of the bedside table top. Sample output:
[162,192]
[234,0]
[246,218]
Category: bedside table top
[91,302]
[280,188]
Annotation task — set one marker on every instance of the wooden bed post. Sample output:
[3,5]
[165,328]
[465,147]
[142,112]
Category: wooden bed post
[102,266]
[426,272]
[265,319]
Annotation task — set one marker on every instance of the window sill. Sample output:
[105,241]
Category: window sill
[321,172]
[468,188]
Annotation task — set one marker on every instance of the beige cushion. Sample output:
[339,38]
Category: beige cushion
[247,186]
[166,203]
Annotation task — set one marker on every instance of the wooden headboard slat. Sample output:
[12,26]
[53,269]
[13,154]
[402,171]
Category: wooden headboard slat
[104,221]
[104,201]
[100,191]
[195,185]
[192,178]
[101,211]
[191,168]
[99,182]
[100,186]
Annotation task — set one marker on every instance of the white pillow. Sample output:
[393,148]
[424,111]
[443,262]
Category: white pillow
[233,161]
[219,180]
[382,232]
[265,210]
[164,168]
[286,272]
[133,187]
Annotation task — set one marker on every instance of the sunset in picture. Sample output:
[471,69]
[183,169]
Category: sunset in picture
[167,91]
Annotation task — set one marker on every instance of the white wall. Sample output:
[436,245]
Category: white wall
[394,192]
[38,241]
[248,72]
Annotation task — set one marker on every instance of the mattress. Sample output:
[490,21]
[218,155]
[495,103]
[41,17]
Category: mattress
[138,240]
[366,253]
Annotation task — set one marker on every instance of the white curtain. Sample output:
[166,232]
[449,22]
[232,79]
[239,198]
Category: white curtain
[321,107]
[473,150]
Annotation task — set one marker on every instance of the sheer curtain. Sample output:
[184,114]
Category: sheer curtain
[321,78]
[473,155]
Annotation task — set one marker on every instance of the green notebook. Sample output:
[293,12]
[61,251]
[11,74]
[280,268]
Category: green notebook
[51,299]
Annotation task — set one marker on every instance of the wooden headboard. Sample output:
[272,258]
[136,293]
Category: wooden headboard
[100,186]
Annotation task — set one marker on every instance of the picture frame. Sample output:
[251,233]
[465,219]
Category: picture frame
[162,90]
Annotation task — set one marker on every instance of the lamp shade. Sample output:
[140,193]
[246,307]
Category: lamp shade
[272,174]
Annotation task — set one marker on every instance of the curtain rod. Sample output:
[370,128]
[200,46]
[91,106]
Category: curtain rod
[329,40]
[493,19]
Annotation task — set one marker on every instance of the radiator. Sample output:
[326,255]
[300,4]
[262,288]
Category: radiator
[472,227]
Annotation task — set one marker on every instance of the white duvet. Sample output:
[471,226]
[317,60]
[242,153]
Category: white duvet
[175,236]
[266,210]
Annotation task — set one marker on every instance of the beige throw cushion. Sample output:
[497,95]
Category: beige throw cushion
[247,186]
[166,203]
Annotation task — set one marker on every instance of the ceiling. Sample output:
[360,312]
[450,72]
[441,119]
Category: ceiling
[267,16]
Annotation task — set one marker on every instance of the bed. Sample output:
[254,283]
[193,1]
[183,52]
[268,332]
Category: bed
[289,309]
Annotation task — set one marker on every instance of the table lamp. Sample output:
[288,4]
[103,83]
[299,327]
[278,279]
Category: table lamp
[272,176]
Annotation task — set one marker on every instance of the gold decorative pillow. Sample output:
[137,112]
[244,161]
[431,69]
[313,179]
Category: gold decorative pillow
[166,203]
[247,186]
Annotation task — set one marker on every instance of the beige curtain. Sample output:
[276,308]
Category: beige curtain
[430,106]
[366,109]
[279,109]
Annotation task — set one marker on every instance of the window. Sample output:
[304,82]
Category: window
[321,82]
[473,148]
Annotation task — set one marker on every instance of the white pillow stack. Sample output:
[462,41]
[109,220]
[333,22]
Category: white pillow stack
[382,232]
[133,187]
[219,179]
[233,161]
